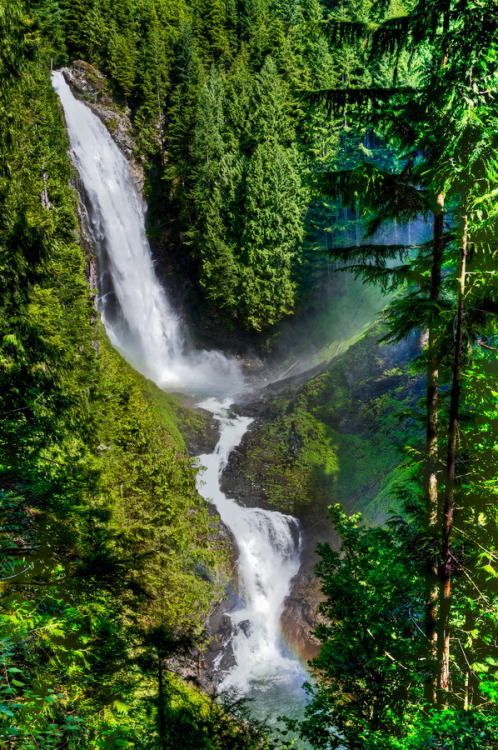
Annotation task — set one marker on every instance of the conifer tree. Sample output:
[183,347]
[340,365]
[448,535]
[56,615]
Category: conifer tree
[97,34]
[122,60]
[273,227]
[152,72]
[239,86]
[444,154]
[270,121]
[186,84]
[74,16]
[214,179]
[210,29]
[215,25]
[50,15]
[255,18]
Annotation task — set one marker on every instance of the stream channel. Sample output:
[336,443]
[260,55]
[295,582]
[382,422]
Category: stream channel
[144,328]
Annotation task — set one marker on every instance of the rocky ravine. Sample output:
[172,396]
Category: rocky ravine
[300,612]
[327,438]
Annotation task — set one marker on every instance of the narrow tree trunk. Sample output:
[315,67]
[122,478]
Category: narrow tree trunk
[161,719]
[449,501]
[430,473]
[432,372]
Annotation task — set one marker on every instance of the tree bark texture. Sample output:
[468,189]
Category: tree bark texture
[160,709]
[449,500]
[431,460]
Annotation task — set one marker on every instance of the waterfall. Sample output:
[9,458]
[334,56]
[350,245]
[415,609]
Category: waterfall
[132,303]
[143,327]
[269,546]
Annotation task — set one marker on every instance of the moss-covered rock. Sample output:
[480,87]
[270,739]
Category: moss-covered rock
[333,439]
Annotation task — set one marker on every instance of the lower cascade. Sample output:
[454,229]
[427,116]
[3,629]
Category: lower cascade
[269,547]
[143,327]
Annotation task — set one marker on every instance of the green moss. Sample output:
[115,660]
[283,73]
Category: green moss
[112,124]
[194,426]
[149,483]
[334,439]
[168,410]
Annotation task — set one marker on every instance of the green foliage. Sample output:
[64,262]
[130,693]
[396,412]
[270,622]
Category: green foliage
[272,228]
[446,165]
[18,41]
[122,61]
[452,730]
[149,487]
[249,200]
[103,583]
[162,59]
[373,662]
[373,591]
[335,438]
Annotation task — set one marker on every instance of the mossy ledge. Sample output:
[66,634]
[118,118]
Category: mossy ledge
[329,440]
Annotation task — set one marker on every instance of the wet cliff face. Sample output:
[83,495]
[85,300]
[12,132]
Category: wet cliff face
[93,88]
[301,614]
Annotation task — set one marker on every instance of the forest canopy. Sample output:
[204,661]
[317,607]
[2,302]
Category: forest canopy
[217,95]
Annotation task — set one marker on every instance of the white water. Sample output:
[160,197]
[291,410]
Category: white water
[142,325]
[132,303]
[269,546]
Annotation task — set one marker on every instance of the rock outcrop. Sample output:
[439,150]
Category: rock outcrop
[92,87]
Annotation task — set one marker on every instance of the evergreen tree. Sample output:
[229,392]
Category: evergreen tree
[255,18]
[273,227]
[211,196]
[186,79]
[74,17]
[122,60]
[270,121]
[50,15]
[153,70]
[97,33]
[238,101]
[449,157]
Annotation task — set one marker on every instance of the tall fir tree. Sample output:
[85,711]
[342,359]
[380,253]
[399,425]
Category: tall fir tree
[273,227]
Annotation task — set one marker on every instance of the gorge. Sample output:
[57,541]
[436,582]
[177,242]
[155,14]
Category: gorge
[143,327]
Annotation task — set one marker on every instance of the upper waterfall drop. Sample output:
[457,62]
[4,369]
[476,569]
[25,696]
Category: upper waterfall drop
[132,303]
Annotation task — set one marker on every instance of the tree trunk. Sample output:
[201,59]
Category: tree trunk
[161,719]
[430,473]
[449,500]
